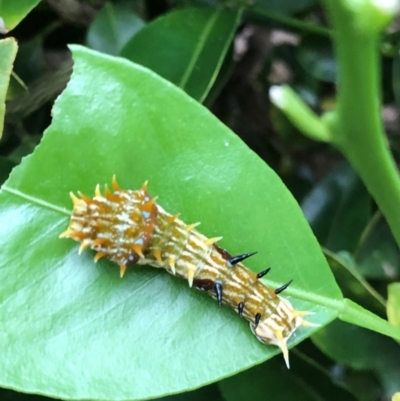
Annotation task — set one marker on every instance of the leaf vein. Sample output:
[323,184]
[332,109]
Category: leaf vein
[36,201]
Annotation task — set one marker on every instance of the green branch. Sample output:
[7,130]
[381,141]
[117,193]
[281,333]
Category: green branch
[355,127]
[358,129]
[286,99]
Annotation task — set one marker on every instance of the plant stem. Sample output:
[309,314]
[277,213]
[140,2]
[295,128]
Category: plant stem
[299,113]
[357,128]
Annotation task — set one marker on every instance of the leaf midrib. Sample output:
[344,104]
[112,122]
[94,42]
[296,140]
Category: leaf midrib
[36,201]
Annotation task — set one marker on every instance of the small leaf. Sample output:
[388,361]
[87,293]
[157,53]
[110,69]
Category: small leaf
[12,12]
[356,314]
[187,46]
[113,26]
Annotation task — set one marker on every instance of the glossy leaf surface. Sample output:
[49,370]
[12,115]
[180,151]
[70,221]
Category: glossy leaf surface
[93,331]
[14,11]
[187,47]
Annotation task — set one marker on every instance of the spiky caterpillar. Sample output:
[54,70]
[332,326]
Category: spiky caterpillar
[128,227]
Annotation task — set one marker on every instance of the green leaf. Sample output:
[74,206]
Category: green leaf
[81,327]
[187,46]
[224,74]
[113,26]
[356,314]
[338,209]
[304,381]
[393,305]
[8,51]
[12,12]
[361,349]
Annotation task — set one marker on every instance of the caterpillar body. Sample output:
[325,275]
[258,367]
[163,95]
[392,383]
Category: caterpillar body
[128,227]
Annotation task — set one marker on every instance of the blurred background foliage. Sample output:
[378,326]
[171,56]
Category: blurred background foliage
[246,47]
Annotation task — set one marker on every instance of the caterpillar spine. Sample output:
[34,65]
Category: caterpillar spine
[129,227]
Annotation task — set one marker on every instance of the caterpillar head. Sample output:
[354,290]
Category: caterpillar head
[118,225]
[277,328]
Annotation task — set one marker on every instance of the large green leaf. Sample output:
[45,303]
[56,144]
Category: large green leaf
[8,51]
[13,11]
[186,46]
[75,330]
